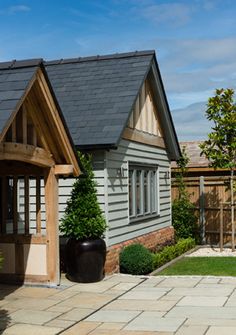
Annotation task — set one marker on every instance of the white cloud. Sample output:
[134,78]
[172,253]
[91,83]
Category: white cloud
[182,100]
[18,8]
[172,13]
[193,68]
[15,9]
[191,123]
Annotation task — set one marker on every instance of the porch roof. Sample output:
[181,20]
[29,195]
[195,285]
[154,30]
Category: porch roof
[16,81]
[15,77]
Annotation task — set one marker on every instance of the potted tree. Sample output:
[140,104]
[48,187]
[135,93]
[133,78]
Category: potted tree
[84,226]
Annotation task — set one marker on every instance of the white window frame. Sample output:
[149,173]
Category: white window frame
[132,182]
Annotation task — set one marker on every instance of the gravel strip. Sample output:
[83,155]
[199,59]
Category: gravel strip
[212,252]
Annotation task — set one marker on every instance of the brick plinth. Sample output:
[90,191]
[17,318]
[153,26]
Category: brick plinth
[150,241]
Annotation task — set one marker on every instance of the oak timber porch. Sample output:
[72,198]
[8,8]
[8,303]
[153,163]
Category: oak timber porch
[35,148]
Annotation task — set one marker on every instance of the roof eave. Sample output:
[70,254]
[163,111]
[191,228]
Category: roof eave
[170,138]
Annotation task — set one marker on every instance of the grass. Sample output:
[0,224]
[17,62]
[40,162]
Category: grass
[206,266]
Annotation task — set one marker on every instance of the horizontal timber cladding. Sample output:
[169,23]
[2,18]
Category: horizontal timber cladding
[116,165]
[65,185]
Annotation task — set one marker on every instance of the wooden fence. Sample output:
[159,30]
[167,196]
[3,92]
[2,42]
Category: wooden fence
[207,193]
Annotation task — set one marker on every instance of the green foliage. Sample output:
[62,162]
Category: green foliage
[183,219]
[83,217]
[135,259]
[220,148]
[182,163]
[173,251]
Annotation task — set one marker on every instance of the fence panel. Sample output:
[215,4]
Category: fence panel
[206,194]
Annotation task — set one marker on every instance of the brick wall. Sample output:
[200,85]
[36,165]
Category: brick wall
[151,241]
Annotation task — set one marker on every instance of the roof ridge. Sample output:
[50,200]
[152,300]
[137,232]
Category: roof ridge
[16,64]
[99,57]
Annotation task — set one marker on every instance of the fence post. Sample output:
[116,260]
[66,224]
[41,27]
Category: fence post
[221,226]
[202,209]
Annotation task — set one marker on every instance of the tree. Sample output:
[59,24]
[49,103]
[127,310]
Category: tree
[183,219]
[220,147]
[83,218]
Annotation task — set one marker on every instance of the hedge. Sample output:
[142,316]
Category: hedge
[135,259]
[173,251]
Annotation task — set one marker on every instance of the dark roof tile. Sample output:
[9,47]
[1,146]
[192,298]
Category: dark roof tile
[13,83]
[99,92]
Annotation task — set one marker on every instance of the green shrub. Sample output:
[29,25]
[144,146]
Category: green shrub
[135,259]
[183,219]
[171,252]
[83,218]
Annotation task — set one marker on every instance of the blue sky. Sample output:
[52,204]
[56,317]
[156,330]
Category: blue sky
[195,42]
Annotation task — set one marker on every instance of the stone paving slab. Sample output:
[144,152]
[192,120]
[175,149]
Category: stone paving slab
[211,322]
[32,317]
[181,282]
[152,321]
[141,305]
[76,314]
[82,328]
[203,312]
[113,316]
[221,331]
[206,291]
[202,301]
[144,294]
[31,303]
[87,300]
[123,305]
[192,330]
[26,329]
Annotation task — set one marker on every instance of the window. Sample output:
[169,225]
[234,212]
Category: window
[143,192]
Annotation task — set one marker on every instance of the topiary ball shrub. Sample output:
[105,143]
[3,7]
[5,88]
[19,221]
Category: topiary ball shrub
[135,259]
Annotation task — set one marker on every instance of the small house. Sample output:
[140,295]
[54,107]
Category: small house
[116,109]
[113,107]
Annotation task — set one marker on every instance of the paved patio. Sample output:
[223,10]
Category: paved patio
[122,305]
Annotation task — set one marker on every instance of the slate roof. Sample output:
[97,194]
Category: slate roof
[15,77]
[96,94]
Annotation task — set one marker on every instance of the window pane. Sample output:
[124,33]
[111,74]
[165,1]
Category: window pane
[138,192]
[146,197]
[130,193]
[153,191]
[142,191]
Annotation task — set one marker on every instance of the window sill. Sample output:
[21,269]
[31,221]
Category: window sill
[143,218]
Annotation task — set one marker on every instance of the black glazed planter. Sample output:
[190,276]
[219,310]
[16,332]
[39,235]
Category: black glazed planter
[85,260]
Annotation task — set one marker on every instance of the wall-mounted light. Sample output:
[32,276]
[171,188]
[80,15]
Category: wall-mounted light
[167,175]
[120,172]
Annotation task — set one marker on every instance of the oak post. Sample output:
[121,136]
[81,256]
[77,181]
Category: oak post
[51,204]
[4,204]
[15,211]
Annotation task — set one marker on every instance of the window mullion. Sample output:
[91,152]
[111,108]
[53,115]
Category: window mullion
[149,192]
[134,213]
[141,182]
